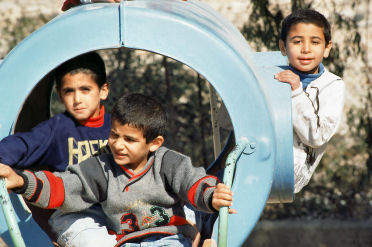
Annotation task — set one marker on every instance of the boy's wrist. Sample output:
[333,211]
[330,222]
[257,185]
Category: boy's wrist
[22,189]
[210,205]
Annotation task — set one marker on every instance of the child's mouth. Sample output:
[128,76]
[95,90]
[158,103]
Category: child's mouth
[79,110]
[120,156]
[305,61]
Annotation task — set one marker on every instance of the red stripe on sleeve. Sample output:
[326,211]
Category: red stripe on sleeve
[194,188]
[57,190]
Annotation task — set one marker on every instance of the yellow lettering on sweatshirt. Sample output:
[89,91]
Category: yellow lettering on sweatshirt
[79,151]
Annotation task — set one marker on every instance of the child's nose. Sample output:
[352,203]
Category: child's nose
[120,145]
[306,47]
[77,97]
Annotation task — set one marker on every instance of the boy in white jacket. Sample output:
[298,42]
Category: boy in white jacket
[317,94]
[317,98]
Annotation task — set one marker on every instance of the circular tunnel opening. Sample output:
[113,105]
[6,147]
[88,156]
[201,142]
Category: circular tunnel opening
[184,93]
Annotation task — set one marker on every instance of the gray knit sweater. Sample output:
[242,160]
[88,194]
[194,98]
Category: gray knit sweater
[136,205]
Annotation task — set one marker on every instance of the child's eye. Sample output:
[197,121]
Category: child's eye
[296,42]
[67,91]
[113,135]
[85,89]
[129,139]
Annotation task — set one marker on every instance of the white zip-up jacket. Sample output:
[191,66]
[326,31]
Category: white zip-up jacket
[316,114]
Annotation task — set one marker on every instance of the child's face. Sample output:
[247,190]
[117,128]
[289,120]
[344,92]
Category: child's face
[305,47]
[129,147]
[81,95]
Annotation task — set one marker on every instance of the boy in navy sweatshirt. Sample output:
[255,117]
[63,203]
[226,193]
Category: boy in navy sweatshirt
[70,137]
[141,186]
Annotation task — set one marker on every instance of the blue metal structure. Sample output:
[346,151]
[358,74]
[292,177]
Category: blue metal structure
[196,35]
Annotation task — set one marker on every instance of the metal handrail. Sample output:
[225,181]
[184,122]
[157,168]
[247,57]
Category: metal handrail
[227,180]
[9,215]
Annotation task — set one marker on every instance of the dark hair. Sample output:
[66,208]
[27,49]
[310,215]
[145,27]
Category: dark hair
[89,63]
[306,16]
[141,112]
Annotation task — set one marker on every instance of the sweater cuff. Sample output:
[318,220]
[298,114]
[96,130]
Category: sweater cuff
[297,91]
[208,194]
[32,186]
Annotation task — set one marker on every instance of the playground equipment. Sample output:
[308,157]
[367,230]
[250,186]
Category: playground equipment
[187,31]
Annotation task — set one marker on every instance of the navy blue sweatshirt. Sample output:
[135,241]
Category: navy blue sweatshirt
[55,143]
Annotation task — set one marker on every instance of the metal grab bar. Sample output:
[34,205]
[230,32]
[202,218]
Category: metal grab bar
[10,217]
[232,158]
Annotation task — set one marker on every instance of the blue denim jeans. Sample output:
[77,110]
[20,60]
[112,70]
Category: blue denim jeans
[84,228]
[160,241]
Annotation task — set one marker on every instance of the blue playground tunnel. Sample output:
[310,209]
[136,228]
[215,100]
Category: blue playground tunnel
[193,34]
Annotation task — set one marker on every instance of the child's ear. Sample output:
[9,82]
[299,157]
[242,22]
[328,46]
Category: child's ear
[104,91]
[282,47]
[156,143]
[327,49]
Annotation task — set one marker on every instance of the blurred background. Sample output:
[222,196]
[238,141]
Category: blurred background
[335,209]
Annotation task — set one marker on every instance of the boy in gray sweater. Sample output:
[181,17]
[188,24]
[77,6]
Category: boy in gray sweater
[141,186]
